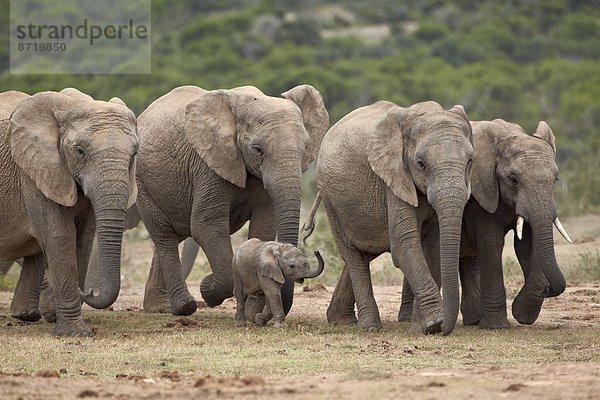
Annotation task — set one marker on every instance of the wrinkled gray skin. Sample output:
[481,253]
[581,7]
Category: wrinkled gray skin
[513,174]
[92,279]
[260,269]
[382,172]
[67,169]
[132,220]
[211,160]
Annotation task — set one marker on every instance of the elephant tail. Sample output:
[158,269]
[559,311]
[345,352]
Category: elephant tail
[309,225]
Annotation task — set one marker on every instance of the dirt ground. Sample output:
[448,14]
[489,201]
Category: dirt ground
[579,306]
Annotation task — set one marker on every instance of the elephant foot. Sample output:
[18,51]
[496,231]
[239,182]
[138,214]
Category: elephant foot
[526,308]
[260,319]
[433,326]
[336,317]
[31,315]
[212,295]
[240,324]
[153,304]
[471,320]
[342,319]
[156,300]
[494,322]
[369,325]
[280,324]
[47,307]
[72,328]
[471,312]
[405,313]
[187,306]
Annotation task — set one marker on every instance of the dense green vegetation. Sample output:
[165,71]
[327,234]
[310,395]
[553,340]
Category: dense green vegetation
[522,61]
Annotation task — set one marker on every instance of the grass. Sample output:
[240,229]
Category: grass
[585,269]
[135,343]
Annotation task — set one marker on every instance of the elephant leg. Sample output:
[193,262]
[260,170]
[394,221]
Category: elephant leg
[407,254]
[166,257]
[255,305]
[263,317]
[430,243]
[47,304]
[240,299]
[341,307]
[25,301]
[357,264]
[188,256]
[212,232]
[165,287]
[406,304]
[470,304]
[85,243]
[527,305]
[58,237]
[493,292]
[156,298]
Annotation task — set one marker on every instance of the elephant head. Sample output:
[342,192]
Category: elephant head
[284,260]
[242,131]
[436,148]
[71,146]
[521,170]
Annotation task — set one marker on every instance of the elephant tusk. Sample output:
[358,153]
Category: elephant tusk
[562,230]
[519,227]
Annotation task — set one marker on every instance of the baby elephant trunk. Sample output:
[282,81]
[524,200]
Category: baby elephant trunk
[320,266]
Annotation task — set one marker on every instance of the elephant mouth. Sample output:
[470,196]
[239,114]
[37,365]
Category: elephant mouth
[299,280]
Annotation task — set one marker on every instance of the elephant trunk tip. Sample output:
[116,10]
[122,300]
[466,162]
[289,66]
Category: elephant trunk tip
[320,266]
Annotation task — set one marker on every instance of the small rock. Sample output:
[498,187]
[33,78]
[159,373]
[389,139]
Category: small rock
[317,287]
[47,373]
[87,393]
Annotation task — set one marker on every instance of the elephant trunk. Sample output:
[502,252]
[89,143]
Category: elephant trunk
[449,207]
[286,194]
[543,241]
[320,267]
[110,204]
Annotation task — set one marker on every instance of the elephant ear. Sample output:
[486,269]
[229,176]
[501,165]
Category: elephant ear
[544,132]
[34,144]
[210,127]
[314,117]
[484,183]
[385,153]
[268,265]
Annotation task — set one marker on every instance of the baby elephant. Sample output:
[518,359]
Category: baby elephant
[260,269]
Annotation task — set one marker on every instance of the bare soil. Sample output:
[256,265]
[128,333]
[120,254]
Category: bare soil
[568,369]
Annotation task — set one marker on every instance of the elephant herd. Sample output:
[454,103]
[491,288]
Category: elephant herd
[437,191]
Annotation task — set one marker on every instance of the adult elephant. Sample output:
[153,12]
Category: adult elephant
[67,171]
[211,160]
[512,180]
[382,172]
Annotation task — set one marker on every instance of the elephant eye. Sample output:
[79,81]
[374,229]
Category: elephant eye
[257,149]
[292,266]
[513,179]
[421,164]
[80,152]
